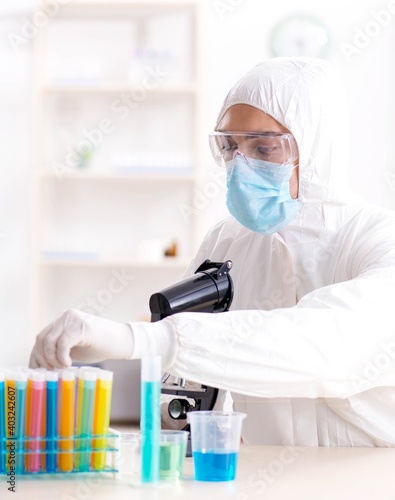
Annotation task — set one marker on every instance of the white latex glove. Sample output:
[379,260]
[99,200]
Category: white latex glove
[78,336]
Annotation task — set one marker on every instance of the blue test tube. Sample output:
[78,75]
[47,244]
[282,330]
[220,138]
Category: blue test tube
[20,405]
[150,418]
[2,425]
[51,378]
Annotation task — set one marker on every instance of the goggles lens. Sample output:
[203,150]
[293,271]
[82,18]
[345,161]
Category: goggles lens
[273,147]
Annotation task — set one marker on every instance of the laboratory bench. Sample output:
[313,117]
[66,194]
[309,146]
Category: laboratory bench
[264,472]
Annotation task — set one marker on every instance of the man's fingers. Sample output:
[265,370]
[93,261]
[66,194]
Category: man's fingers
[54,343]
[38,361]
[37,358]
[71,337]
[33,363]
[66,330]
[63,349]
[49,344]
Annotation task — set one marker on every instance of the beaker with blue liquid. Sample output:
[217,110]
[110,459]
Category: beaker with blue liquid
[215,444]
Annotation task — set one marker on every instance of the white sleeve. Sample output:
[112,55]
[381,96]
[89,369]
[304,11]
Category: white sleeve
[336,342]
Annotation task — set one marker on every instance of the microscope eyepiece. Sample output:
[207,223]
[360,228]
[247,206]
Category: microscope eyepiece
[210,289]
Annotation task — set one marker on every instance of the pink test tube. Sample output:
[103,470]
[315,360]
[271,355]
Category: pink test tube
[36,415]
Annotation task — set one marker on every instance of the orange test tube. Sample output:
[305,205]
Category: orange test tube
[66,424]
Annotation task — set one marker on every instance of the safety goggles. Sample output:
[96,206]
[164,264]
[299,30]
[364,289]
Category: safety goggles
[274,147]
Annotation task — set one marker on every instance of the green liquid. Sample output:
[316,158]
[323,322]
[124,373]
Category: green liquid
[172,460]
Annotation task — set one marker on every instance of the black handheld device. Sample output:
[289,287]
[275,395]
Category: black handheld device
[209,289]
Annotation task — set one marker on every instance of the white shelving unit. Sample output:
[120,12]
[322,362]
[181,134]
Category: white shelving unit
[116,88]
[130,71]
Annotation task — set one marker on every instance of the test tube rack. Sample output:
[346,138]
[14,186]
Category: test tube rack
[27,456]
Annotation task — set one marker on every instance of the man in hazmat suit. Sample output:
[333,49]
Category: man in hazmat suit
[308,347]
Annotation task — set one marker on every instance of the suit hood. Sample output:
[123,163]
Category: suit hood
[306,96]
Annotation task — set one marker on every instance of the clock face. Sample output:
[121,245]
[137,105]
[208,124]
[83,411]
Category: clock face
[300,35]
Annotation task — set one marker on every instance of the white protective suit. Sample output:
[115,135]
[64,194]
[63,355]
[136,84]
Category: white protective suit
[308,347]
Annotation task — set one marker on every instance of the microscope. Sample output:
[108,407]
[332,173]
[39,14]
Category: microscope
[209,289]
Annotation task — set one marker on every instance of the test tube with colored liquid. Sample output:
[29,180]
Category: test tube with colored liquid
[21,386]
[2,425]
[84,424]
[66,424]
[43,419]
[36,416]
[28,406]
[10,424]
[150,418]
[101,419]
[79,392]
[51,419]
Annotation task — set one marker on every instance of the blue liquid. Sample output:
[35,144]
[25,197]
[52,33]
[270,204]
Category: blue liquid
[214,466]
[20,422]
[150,431]
[2,429]
[52,395]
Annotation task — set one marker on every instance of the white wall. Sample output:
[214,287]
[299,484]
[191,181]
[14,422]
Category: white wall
[233,42]
[15,132]
[237,37]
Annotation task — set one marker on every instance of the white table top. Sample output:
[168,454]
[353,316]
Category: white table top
[264,472]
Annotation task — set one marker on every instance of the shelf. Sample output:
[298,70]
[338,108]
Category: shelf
[165,263]
[109,176]
[114,88]
[152,4]
[107,9]
[85,62]
[130,3]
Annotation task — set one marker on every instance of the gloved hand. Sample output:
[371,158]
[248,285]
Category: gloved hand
[78,336]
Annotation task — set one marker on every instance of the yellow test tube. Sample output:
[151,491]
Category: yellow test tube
[101,418]
[66,425]
[10,396]
[10,421]
[78,413]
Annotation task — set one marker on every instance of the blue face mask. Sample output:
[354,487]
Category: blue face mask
[258,194]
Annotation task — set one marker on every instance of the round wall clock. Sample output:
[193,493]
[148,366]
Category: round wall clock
[300,35]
